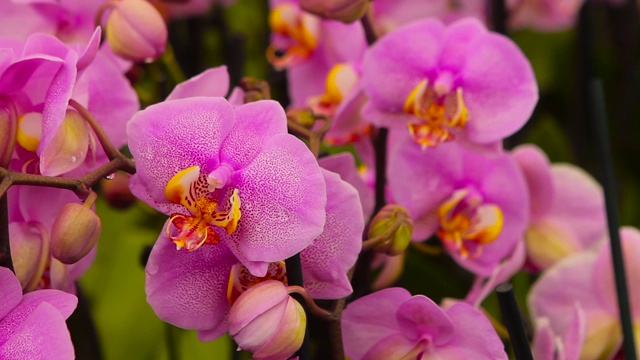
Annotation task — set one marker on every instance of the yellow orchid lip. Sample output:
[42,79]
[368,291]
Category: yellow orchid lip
[300,28]
[438,111]
[340,80]
[192,190]
[467,224]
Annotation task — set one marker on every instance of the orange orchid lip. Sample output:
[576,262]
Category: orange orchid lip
[191,189]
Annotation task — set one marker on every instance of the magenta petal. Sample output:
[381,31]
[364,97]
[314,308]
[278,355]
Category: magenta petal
[10,291]
[171,136]
[499,88]
[326,262]
[436,176]
[212,82]
[396,63]
[395,346]
[578,203]
[283,199]
[420,317]
[537,172]
[112,99]
[344,165]
[360,330]
[475,337]
[188,289]
[458,38]
[42,335]
[90,51]
[256,123]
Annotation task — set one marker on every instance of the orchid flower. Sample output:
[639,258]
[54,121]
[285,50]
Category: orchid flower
[586,279]
[33,326]
[442,83]
[392,324]
[567,213]
[276,205]
[477,204]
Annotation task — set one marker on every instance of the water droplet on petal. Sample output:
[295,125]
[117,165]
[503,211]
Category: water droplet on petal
[110,176]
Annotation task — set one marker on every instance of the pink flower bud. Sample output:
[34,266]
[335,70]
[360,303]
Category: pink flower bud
[136,30]
[268,322]
[342,10]
[75,232]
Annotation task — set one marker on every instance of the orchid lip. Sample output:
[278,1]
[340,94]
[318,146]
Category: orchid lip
[241,279]
[200,196]
[439,112]
[467,224]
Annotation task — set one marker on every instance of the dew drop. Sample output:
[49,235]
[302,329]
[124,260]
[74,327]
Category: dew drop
[110,176]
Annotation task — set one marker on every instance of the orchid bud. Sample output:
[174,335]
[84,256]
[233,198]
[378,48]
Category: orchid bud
[136,30]
[346,11]
[7,133]
[392,226]
[116,190]
[29,252]
[268,322]
[75,232]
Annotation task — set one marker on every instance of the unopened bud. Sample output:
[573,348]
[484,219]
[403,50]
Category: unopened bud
[29,252]
[136,30]
[75,232]
[7,134]
[255,89]
[302,116]
[391,229]
[346,11]
[116,190]
[268,322]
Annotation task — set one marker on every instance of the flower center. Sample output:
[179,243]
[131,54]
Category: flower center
[438,110]
[241,279]
[466,224]
[29,131]
[295,35]
[201,195]
[340,80]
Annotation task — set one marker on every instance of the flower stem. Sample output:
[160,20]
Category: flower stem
[5,247]
[321,313]
[294,278]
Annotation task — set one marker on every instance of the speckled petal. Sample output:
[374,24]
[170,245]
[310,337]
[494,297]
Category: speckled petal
[10,291]
[283,199]
[326,262]
[171,136]
[344,165]
[256,123]
[42,335]
[212,82]
[188,288]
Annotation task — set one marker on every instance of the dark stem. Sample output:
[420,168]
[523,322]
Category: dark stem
[83,330]
[598,116]
[294,277]
[512,319]
[369,30]
[81,186]
[5,246]
[499,16]
[380,147]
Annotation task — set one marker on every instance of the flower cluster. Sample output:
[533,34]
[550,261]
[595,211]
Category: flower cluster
[391,150]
